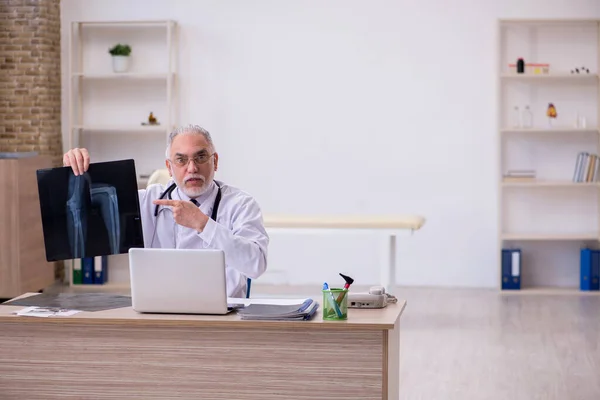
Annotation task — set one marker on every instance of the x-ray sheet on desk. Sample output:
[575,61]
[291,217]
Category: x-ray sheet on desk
[45,312]
[74,301]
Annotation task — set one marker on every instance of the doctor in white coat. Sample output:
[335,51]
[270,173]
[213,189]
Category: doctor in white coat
[195,211]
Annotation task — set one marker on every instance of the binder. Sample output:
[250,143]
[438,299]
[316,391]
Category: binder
[87,269]
[506,261]
[100,270]
[77,274]
[595,270]
[515,269]
[585,267]
[511,269]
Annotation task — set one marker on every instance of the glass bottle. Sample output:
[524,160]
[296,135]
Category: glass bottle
[527,119]
[516,118]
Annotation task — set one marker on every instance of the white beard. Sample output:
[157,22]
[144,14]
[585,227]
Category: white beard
[193,192]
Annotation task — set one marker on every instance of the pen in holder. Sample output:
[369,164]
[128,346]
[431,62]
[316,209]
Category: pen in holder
[331,309]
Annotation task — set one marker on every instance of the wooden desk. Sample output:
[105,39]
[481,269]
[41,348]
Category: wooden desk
[117,354]
[388,225]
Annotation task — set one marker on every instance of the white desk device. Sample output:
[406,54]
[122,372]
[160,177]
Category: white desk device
[178,281]
[376,298]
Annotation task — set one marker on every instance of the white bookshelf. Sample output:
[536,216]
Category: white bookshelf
[107,109]
[551,216]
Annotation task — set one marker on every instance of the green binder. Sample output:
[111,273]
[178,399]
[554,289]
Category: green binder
[77,274]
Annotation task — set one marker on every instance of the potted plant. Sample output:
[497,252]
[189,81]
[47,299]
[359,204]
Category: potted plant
[120,57]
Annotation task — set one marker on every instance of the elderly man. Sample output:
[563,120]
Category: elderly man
[195,211]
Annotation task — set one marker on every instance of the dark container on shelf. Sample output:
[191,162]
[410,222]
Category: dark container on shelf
[520,66]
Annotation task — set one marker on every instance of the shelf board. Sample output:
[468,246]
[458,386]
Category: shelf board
[569,291]
[555,76]
[547,21]
[550,236]
[125,128]
[557,184]
[123,75]
[551,130]
[122,24]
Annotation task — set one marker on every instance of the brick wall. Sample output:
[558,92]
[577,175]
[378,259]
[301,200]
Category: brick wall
[30,80]
[30,84]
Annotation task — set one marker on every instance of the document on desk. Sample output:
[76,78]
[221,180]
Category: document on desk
[279,302]
[273,310]
[45,312]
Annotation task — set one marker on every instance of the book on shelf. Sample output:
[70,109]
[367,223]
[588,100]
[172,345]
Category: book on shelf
[587,167]
[519,175]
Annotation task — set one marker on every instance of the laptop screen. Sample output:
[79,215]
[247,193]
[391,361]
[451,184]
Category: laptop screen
[94,214]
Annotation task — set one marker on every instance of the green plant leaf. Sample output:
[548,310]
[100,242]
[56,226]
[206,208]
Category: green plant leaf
[120,50]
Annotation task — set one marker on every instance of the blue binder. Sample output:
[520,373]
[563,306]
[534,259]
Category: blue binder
[585,269]
[87,270]
[515,266]
[511,269]
[506,258]
[595,270]
[100,270]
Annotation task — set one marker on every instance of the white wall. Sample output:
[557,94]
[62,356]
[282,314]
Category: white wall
[378,107]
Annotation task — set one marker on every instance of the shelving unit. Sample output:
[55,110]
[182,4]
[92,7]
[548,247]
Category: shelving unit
[551,216]
[107,109]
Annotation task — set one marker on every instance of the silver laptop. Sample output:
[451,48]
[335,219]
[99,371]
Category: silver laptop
[178,281]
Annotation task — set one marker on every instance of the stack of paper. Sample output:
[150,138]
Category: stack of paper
[280,312]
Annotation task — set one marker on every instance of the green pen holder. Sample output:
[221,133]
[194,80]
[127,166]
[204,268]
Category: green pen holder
[335,304]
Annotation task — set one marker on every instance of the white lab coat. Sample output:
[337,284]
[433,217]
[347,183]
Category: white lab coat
[239,230]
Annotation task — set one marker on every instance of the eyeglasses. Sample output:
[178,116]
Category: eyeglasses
[199,159]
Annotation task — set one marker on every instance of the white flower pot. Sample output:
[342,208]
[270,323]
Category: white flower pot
[120,63]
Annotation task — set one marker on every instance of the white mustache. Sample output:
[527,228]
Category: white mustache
[203,179]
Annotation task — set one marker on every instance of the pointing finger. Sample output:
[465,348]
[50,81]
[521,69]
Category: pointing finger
[165,202]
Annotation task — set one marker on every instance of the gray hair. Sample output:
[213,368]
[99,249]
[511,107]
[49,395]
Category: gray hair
[189,129]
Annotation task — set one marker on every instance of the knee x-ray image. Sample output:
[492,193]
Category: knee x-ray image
[90,215]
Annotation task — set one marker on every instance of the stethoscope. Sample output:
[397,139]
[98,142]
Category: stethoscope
[168,192]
